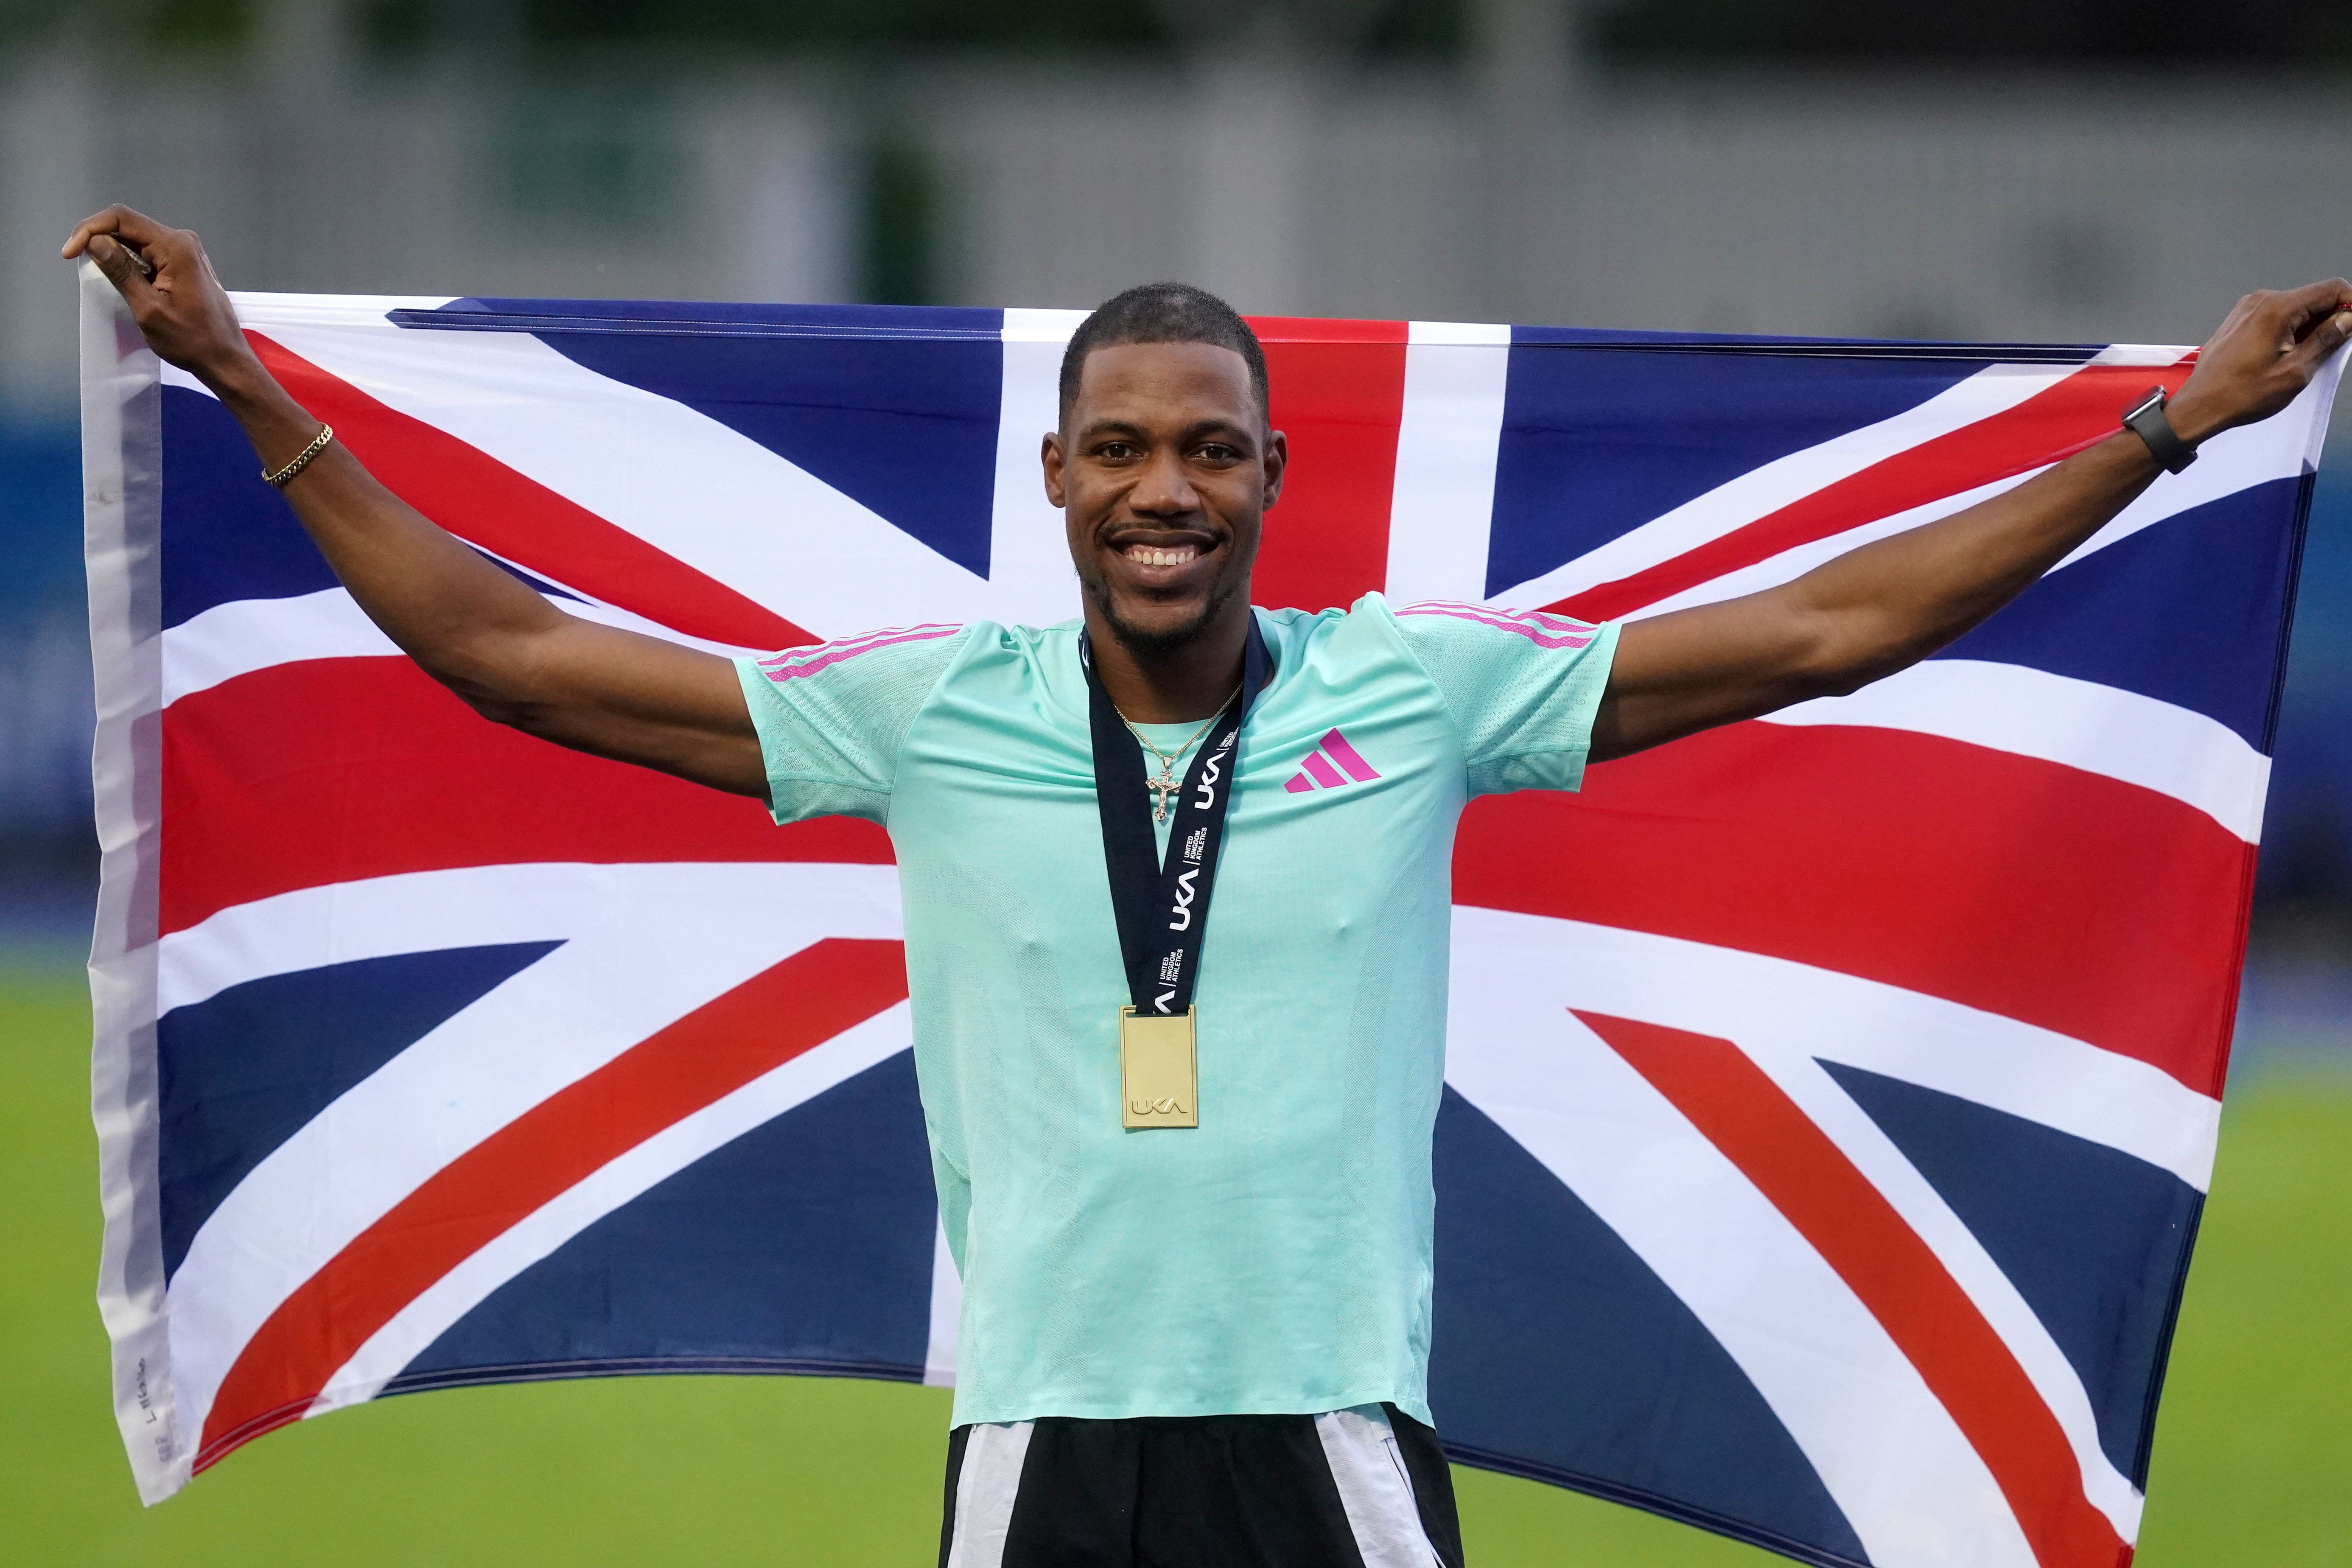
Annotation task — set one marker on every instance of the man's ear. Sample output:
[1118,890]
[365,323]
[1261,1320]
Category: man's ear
[1050,456]
[1277,462]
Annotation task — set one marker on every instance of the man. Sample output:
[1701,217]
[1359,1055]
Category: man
[1187,1186]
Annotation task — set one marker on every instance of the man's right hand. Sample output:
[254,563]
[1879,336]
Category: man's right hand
[182,311]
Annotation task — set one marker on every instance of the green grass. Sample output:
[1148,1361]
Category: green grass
[2254,1460]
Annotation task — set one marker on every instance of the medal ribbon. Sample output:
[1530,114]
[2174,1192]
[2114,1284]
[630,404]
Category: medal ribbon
[1163,909]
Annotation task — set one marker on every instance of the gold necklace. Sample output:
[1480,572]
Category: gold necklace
[1167,784]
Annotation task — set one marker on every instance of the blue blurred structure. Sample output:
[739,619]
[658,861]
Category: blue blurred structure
[2298,998]
[2306,865]
[2296,1008]
[48,860]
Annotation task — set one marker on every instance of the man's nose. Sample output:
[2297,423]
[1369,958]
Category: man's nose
[1165,489]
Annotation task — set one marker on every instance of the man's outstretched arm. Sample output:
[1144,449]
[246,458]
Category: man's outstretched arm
[477,630]
[1890,604]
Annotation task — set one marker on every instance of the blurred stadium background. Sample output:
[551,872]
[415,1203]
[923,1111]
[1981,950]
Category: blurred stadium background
[2067,170]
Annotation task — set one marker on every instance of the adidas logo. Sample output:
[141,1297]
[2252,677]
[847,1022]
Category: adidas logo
[1331,764]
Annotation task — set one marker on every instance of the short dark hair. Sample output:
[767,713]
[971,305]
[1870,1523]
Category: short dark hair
[1162,313]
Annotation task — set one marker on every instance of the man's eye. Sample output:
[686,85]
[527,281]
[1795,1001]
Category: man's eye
[1116,451]
[1216,452]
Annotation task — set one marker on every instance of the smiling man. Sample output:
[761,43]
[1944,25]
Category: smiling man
[1187,1184]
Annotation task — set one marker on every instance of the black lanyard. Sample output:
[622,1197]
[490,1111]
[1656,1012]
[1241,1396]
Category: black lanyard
[1163,914]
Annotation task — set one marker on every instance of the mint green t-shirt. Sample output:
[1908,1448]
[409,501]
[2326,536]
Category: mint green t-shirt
[1275,1259]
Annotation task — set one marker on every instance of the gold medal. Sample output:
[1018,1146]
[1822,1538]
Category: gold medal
[1159,1085]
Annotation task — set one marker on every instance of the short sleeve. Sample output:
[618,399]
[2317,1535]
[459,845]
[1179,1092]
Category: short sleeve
[833,719]
[1523,687]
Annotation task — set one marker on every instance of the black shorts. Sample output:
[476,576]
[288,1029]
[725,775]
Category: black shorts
[1366,1488]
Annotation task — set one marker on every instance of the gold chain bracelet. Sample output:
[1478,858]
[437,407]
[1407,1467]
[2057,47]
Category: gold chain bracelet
[302,459]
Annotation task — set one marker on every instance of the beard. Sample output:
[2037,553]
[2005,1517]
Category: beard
[1146,643]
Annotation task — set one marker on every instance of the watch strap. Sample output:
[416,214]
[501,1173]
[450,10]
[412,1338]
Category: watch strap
[2145,420]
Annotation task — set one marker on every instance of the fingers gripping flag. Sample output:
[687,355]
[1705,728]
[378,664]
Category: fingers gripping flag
[1831,1098]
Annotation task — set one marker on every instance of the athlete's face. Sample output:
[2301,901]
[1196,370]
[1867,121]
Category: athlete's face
[1162,471]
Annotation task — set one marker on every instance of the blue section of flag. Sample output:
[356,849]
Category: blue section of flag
[1557,1352]
[240,1072]
[803,1245]
[226,535]
[2096,1241]
[529,580]
[2188,611]
[671,316]
[1596,443]
[905,424]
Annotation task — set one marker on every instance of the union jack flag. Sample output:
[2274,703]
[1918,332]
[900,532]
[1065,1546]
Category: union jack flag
[1831,1098]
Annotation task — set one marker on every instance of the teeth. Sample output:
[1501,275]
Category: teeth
[1145,555]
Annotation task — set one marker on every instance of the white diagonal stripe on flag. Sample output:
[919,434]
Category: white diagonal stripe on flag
[2105,730]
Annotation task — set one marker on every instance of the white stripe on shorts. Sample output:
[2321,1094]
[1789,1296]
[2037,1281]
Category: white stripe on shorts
[990,1478]
[1374,1488]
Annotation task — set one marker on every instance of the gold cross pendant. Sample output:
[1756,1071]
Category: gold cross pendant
[1163,786]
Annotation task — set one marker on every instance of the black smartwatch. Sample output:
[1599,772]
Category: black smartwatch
[2146,421]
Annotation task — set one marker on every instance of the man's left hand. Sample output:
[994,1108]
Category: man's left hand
[2264,352]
